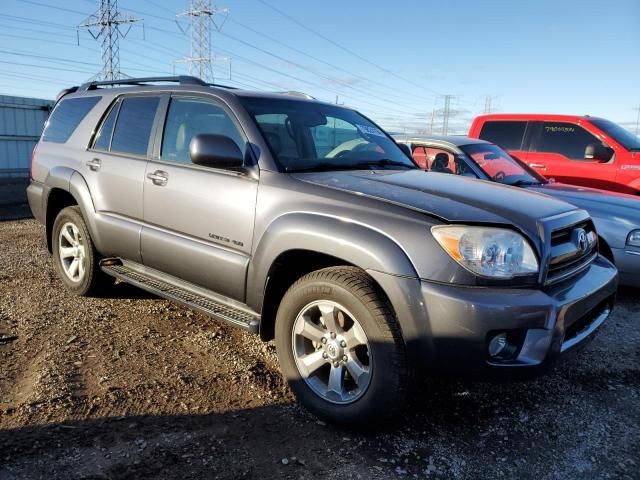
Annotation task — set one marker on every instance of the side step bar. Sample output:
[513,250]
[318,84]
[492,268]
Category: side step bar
[181,292]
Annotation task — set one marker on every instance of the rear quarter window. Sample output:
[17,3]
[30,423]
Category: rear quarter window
[506,134]
[66,117]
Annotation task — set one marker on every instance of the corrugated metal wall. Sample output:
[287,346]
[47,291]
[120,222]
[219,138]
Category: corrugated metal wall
[21,122]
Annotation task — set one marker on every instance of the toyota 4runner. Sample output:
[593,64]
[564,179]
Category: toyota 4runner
[304,221]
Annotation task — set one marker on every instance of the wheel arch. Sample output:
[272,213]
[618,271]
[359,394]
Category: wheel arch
[296,244]
[66,187]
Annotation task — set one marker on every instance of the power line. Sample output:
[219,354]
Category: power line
[345,49]
[317,59]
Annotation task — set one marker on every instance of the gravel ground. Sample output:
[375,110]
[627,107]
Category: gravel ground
[131,386]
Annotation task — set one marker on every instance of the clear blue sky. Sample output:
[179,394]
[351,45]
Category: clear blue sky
[391,60]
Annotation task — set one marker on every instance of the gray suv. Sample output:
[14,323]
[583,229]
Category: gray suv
[305,222]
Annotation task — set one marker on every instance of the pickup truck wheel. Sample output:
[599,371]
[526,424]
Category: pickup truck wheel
[74,255]
[340,347]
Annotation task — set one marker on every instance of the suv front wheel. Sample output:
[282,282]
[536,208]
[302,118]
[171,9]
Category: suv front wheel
[74,255]
[340,347]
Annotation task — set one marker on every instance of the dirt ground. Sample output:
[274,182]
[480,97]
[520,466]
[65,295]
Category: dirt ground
[132,386]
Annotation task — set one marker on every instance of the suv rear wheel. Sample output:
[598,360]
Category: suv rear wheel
[74,255]
[340,347]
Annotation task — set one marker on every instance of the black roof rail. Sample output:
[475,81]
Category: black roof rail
[181,79]
[63,92]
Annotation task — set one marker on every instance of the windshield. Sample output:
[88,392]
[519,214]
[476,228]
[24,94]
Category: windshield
[499,166]
[624,137]
[309,136]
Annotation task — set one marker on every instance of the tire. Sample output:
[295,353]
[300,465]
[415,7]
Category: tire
[75,245]
[347,297]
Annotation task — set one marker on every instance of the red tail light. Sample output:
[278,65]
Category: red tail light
[33,156]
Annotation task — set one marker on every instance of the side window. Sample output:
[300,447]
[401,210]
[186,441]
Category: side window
[103,138]
[438,160]
[190,116]
[506,134]
[66,117]
[565,139]
[419,154]
[133,128]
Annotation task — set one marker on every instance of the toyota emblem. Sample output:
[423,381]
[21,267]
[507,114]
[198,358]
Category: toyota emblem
[582,240]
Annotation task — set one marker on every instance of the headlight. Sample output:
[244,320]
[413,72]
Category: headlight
[634,238]
[487,251]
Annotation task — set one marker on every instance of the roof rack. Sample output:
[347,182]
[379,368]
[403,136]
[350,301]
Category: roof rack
[181,79]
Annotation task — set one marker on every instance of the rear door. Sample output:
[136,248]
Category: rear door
[557,151]
[198,220]
[508,134]
[114,169]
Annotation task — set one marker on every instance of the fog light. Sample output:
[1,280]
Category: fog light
[498,344]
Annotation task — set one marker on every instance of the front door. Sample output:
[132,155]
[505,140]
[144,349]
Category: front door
[558,151]
[198,220]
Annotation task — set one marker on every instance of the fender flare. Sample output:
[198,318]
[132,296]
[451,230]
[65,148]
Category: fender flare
[355,243]
[72,181]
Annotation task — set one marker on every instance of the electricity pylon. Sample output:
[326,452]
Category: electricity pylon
[201,17]
[104,25]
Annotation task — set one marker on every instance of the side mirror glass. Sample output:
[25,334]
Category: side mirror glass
[217,151]
[598,152]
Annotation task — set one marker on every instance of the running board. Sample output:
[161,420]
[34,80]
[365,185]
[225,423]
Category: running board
[181,292]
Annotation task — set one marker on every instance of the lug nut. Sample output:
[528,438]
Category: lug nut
[343,344]
[344,358]
[335,364]
[333,334]
[324,340]
[324,355]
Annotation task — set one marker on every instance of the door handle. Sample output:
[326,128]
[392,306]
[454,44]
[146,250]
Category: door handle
[158,177]
[94,164]
[537,165]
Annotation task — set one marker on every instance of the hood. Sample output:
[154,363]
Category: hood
[597,202]
[451,198]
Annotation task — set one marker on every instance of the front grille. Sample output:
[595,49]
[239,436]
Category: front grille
[569,254]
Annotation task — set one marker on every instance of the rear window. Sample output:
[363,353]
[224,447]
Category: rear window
[508,135]
[66,117]
[134,124]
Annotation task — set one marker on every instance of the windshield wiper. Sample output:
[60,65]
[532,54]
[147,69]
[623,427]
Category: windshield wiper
[323,167]
[327,167]
[385,162]
[523,183]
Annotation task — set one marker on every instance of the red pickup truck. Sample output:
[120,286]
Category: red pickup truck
[579,150]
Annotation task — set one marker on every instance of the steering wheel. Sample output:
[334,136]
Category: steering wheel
[499,176]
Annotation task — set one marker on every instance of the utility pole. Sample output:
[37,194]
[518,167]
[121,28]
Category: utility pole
[433,118]
[104,25]
[201,17]
[446,113]
[487,103]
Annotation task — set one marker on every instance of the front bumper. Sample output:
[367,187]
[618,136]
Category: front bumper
[628,263]
[458,322]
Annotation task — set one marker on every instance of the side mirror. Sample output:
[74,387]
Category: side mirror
[217,151]
[405,148]
[598,152]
